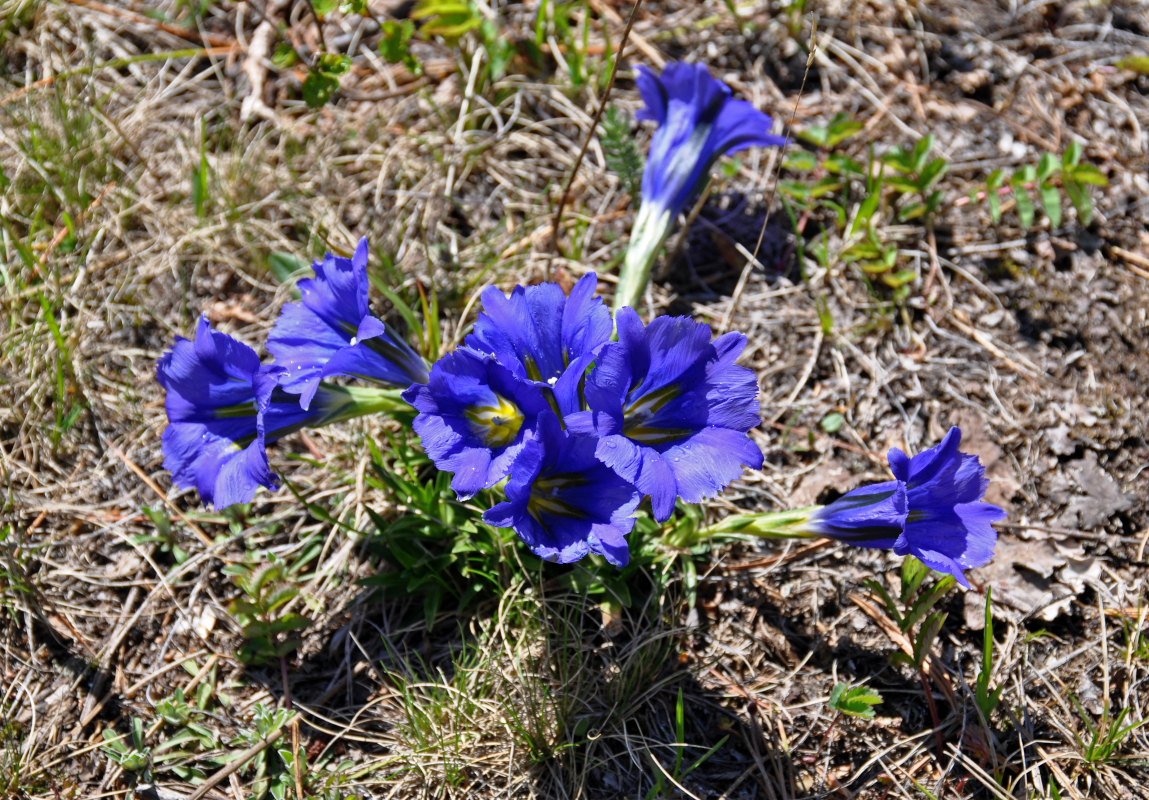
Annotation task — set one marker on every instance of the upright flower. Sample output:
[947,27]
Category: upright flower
[671,409]
[698,122]
[224,407]
[474,418]
[563,502]
[932,510]
[538,332]
[332,332]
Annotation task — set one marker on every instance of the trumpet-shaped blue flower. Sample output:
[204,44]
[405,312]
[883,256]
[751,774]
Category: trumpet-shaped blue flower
[540,334]
[671,409]
[563,502]
[223,408]
[933,510]
[698,122]
[474,418]
[332,332]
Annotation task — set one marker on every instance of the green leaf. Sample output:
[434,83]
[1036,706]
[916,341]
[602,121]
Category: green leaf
[1079,196]
[842,127]
[930,175]
[199,187]
[394,47]
[1089,174]
[816,135]
[992,184]
[832,422]
[284,55]
[855,701]
[866,212]
[333,64]
[324,7]
[926,636]
[1021,197]
[1050,203]
[1071,155]
[285,266]
[800,161]
[1047,166]
[319,88]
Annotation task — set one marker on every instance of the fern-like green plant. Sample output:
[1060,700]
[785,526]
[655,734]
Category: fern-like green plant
[620,151]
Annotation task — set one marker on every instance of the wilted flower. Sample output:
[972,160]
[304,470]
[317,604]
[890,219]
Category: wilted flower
[698,122]
[563,502]
[474,416]
[332,332]
[224,407]
[671,409]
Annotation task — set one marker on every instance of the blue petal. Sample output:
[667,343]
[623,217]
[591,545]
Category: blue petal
[706,462]
[310,338]
[698,123]
[925,465]
[869,516]
[460,382]
[650,88]
[562,502]
[739,125]
[216,397]
[537,332]
[645,468]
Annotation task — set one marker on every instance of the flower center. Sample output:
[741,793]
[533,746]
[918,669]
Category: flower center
[640,412]
[498,423]
[545,497]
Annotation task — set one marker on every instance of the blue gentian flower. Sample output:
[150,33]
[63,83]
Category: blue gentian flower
[698,122]
[332,332]
[223,408]
[933,510]
[563,502]
[671,409]
[474,417]
[540,334]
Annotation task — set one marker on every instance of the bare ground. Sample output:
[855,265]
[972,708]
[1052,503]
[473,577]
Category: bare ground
[1033,339]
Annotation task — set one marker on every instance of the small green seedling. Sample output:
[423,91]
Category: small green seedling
[985,697]
[854,701]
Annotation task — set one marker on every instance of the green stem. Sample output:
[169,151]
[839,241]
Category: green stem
[363,400]
[768,525]
[646,240]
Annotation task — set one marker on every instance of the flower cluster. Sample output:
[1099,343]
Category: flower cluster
[224,406]
[932,510]
[580,426]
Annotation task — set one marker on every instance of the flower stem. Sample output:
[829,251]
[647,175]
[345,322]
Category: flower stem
[651,227]
[768,525]
[359,401]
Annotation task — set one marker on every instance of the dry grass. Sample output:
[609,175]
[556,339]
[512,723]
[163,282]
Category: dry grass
[1034,340]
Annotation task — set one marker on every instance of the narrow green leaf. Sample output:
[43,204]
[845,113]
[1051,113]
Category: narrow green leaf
[1050,203]
[1079,196]
[1071,155]
[1089,174]
[1021,197]
[992,184]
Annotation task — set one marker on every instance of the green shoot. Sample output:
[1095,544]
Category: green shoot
[854,701]
[986,698]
